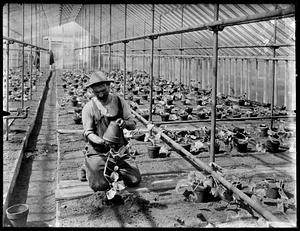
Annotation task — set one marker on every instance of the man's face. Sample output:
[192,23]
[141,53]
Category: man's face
[101,91]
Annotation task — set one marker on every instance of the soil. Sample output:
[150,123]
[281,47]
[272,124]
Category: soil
[158,205]
[165,207]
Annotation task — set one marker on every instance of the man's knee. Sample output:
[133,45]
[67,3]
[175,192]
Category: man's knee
[131,177]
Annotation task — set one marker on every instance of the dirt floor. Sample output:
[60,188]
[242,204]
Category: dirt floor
[163,206]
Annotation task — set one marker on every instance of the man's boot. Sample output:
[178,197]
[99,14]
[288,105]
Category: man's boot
[82,173]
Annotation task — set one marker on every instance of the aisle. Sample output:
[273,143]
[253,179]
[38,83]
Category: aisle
[38,181]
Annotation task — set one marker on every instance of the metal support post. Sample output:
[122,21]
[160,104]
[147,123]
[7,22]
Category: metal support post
[144,50]
[7,72]
[214,87]
[23,54]
[159,51]
[100,37]
[125,57]
[31,52]
[273,72]
[110,61]
[181,49]
[151,67]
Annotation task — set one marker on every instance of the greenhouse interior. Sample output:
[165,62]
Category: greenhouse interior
[149,115]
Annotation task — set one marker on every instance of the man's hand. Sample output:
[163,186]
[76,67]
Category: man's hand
[121,123]
[96,139]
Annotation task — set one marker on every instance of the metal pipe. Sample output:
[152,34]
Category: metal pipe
[89,39]
[110,61]
[151,67]
[276,14]
[220,47]
[12,40]
[125,56]
[159,44]
[214,87]
[181,45]
[23,54]
[7,72]
[222,57]
[100,36]
[31,24]
[94,49]
[223,120]
[203,166]
[273,72]
[144,46]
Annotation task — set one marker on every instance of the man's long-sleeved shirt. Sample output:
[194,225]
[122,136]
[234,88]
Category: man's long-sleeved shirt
[92,116]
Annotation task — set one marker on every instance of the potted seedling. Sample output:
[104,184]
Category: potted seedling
[183,115]
[165,116]
[198,187]
[240,141]
[188,110]
[154,148]
[272,143]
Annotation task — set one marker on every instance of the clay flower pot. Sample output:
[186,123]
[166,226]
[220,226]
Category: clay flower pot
[263,130]
[74,102]
[242,102]
[198,101]
[272,192]
[165,117]
[188,110]
[17,215]
[77,119]
[167,109]
[169,102]
[187,146]
[272,145]
[145,116]
[240,143]
[199,194]
[202,115]
[183,116]
[137,100]
[153,151]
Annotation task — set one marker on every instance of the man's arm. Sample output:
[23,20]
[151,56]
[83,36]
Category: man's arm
[128,117]
[88,126]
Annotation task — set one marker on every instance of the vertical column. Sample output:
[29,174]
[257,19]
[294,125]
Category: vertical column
[159,45]
[110,61]
[7,73]
[144,50]
[181,49]
[214,87]
[31,24]
[100,37]
[125,36]
[273,69]
[151,66]
[23,54]
[94,36]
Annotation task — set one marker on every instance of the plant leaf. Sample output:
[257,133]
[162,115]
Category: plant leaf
[111,193]
[118,185]
[114,176]
[183,185]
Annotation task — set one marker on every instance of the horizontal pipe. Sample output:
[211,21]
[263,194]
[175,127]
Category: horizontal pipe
[24,43]
[219,57]
[210,47]
[276,14]
[203,166]
[227,119]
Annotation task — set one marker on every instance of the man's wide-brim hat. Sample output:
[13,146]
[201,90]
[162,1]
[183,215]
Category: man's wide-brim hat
[98,77]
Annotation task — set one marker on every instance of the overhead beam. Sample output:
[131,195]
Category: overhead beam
[276,14]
